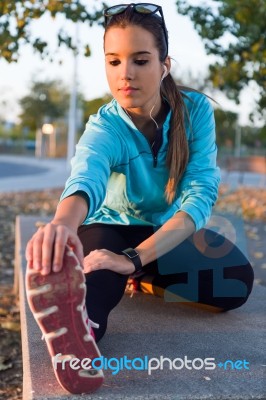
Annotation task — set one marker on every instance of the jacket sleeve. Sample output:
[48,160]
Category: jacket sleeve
[96,153]
[198,187]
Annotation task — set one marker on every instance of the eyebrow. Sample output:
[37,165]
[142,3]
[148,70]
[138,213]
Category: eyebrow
[134,54]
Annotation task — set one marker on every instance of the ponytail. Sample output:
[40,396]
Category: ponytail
[178,152]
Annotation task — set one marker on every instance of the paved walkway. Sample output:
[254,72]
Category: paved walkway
[235,178]
[171,331]
[22,173]
[175,340]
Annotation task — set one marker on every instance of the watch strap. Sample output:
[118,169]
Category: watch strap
[133,255]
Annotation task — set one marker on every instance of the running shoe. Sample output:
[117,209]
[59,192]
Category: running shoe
[57,302]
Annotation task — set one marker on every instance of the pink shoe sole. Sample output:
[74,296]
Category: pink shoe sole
[57,303]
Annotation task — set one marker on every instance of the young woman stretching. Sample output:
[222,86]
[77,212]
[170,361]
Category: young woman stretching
[143,183]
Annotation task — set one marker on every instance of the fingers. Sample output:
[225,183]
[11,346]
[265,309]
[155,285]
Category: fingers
[65,236]
[37,250]
[40,249]
[59,248]
[105,259]
[93,261]
[29,254]
[45,250]
[77,247]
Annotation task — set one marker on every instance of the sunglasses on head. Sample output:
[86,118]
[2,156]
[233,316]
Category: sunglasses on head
[140,8]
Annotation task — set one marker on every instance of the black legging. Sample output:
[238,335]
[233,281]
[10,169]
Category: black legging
[206,268]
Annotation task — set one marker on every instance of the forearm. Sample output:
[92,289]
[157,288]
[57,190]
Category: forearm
[171,234]
[71,211]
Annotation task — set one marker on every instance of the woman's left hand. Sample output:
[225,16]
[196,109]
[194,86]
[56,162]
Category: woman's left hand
[105,259]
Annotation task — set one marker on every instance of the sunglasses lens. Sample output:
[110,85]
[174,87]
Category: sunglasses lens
[146,8]
[110,12]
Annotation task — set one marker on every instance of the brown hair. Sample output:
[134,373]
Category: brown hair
[178,153]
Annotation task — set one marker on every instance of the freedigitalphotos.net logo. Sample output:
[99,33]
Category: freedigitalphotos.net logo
[145,363]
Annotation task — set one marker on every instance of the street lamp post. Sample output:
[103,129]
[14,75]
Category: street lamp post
[38,143]
[238,141]
[72,119]
[49,129]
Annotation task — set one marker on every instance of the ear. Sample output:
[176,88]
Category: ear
[166,67]
[164,72]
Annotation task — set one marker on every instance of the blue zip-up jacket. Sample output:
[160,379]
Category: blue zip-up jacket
[115,166]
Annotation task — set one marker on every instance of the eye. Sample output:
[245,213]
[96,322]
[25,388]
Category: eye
[114,62]
[141,62]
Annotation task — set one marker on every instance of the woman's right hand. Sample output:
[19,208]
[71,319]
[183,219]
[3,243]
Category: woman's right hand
[45,250]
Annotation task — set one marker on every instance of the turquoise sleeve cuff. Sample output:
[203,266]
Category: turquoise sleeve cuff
[196,215]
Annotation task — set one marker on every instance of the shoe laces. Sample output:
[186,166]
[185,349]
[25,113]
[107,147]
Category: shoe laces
[88,322]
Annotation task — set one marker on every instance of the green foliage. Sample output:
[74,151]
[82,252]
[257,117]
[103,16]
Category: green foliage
[14,133]
[251,137]
[234,31]
[226,123]
[16,17]
[226,127]
[47,100]
[92,106]
[262,136]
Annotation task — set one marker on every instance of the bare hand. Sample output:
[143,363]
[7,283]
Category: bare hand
[105,259]
[45,250]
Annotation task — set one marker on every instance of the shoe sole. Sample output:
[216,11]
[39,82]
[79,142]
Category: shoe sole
[56,301]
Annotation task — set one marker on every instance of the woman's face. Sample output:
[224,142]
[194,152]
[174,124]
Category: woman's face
[133,68]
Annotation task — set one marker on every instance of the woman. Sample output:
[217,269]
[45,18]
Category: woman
[143,183]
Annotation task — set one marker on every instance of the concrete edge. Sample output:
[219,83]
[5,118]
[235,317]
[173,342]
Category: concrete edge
[19,287]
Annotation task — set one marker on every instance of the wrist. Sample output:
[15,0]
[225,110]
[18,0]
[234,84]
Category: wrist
[130,267]
[145,255]
[65,223]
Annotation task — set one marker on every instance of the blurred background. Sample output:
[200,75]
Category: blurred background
[52,70]
[52,79]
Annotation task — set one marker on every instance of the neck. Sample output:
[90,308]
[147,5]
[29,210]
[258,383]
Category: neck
[143,121]
[148,118]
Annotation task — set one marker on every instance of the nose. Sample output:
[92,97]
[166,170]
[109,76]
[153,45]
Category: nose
[127,71]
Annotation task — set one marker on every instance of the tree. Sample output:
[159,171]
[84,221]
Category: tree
[47,100]
[16,17]
[92,106]
[233,31]
[226,122]
[262,136]
[187,78]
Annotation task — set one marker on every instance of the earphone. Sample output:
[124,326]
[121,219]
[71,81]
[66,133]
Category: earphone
[162,78]
[164,73]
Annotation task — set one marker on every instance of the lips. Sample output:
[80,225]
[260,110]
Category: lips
[128,89]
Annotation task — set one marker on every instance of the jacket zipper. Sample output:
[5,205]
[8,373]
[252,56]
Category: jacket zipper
[152,152]
[154,160]
[153,155]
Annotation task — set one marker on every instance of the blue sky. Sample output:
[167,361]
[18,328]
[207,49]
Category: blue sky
[185,48]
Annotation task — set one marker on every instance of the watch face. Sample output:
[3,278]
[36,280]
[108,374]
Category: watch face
[131,253]
[134,256]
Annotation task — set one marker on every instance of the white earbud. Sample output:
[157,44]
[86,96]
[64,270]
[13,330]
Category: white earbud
[164,72]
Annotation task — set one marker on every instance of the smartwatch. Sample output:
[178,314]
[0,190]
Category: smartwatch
[133,255]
